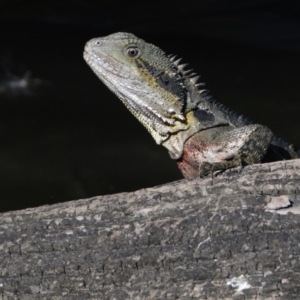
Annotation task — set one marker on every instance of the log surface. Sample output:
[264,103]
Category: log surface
[235,236]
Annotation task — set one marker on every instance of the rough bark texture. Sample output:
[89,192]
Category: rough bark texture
[230,237]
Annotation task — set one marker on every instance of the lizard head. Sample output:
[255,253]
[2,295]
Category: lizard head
[147,81]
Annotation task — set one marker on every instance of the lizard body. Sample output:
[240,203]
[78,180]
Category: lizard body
[200,134]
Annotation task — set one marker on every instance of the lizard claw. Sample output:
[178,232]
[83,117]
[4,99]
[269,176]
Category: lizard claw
[206,168]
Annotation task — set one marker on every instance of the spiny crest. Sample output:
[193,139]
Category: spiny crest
[199,85]
[229,112]
[193,77]
[172,57]
[176,62]
[182,66]
[281,142]
[187,72]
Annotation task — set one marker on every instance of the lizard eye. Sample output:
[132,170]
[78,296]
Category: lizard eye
[133,52]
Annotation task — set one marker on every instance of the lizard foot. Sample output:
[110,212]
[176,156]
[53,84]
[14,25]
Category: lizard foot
[207,168]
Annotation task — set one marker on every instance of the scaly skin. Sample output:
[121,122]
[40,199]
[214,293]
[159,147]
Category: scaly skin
[200,134]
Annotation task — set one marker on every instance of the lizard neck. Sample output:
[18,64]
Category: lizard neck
[175,141]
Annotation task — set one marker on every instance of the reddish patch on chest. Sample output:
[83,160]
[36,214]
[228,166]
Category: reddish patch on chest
[196,151]
[190,160]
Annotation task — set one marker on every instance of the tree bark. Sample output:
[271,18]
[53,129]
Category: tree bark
[235,236]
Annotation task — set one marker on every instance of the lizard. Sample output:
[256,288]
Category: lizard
[202,135]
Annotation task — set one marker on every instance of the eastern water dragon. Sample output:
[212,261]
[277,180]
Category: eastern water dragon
[200,134]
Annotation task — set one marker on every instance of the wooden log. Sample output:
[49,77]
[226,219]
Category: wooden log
[235,236]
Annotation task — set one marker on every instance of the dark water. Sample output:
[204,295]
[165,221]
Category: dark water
[65,136]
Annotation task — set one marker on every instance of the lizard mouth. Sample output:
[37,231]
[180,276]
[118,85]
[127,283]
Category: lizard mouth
[147,113]
[104,69]
[136,96]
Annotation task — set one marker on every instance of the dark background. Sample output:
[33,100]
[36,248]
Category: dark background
[65,136]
